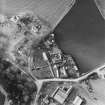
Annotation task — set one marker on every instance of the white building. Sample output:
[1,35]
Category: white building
[77,101]
[61,94]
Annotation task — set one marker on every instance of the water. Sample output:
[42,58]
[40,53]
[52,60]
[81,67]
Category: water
[82,34]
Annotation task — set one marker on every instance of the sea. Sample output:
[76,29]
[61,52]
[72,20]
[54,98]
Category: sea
[81,33]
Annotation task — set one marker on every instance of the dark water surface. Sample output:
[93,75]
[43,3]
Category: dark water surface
[82,34]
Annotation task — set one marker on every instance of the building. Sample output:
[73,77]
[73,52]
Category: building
[77,101]
[62,71]
[70,61]
[61,94]
[101,73]
[50,42]
[56,71]
[55,54]
[46,100]
[56,58]
[59,71]
[44,56]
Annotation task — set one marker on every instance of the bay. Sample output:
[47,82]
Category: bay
[82,34]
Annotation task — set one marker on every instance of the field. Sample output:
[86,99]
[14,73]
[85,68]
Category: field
[2,99]
[50,10]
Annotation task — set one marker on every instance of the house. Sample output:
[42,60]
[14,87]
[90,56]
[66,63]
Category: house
[50,42]
[61,94]
[59,71]
[56,71]
[45,56]
[62,71]
[55,54]
[14,19]
[46,100]
[77,101]
[56,58]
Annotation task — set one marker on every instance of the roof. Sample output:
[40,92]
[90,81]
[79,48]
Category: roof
[77,101]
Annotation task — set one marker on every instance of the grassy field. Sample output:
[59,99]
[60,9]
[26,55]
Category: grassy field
[99,89]
[51,10]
